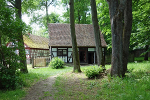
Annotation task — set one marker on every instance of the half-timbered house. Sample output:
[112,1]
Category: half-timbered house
[35,46]
[60,44]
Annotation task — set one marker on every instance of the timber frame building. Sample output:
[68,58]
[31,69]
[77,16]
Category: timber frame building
[60,44]
[35,46]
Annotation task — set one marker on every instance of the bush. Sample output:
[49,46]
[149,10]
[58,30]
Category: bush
[56,63]
[9,79]
[9,70]
[93,71]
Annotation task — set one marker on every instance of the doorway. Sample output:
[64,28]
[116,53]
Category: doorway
[90,57]
[83,55]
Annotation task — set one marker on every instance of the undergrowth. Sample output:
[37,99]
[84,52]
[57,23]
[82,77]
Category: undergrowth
[56,63]
[73,86]
[29,79]
[135,86]
[93,71]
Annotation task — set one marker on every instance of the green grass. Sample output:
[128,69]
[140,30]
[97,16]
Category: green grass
[135,86]
[140,59]
[72,86]
[29,79]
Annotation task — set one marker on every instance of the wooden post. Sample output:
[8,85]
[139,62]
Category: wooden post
[50,53]
[33,62]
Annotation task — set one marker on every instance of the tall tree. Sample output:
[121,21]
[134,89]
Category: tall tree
[46,4]
[34,5]
[126,33]
[9,77]
[96,33]
[76,61]
[104,22]
[22,53]
[42,22]
[121,22]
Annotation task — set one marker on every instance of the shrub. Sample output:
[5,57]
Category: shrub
[9,70]
[56,63]
[9,79]
[93,71]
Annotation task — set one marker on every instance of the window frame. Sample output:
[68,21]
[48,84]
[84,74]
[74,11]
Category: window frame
[60,52]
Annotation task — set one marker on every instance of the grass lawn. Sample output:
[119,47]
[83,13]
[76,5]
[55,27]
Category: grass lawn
[136,86]
[31,78]
[140,59]
[71,86]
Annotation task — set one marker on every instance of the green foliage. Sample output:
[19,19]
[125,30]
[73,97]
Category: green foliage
[104,21]
[82,13]
[93,71]
[56,63]
[29,79]
[10,76]
[140,59]
[37,6]
[42,20]
[9,79]
[9,65]
[29,6]
[140,26]
[134,86]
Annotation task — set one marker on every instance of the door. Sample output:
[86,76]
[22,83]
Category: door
[83,55]
[90,57]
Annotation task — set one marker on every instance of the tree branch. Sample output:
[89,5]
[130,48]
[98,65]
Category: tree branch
[10,6]
[12,2]
[145,3]
[50,3]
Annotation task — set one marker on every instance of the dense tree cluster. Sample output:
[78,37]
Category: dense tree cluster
[9,60]
[124,23]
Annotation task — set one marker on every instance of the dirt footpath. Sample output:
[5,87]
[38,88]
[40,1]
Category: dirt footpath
[42,90]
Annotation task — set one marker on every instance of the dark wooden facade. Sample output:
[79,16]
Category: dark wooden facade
[87,55]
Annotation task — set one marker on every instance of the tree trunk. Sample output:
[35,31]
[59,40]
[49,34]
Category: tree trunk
[21,48]
[79,17]
[96,33]
[1,53]
[146,55]
[47,18]
[2,60]
[127,33]
[76,61]
[116,11]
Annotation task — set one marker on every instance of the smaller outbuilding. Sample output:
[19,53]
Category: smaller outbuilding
[35,46]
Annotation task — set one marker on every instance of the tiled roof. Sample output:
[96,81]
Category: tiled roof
[34,41]
[59,35]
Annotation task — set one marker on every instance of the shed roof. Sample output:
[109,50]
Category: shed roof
[34,41]
[59,35]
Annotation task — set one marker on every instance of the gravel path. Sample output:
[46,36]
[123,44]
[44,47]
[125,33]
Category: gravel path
[42,90]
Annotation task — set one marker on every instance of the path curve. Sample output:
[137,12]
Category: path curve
[42,90]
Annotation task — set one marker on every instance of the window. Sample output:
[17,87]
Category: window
[54,49]
[62,52]
[27,51]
